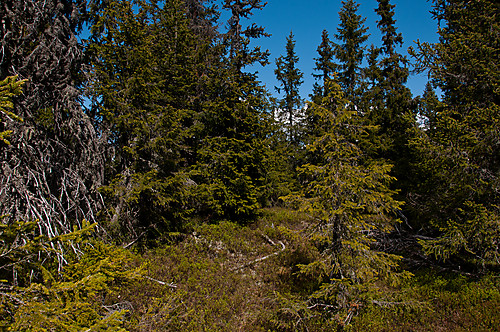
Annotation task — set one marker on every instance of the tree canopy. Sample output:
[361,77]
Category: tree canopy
[154,132]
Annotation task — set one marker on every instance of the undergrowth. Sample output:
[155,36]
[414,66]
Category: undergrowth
[228,277]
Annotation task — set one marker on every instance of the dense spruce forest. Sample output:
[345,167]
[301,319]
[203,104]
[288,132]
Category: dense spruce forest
[150,182]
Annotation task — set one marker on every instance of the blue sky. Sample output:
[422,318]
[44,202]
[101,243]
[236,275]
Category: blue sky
[308,18]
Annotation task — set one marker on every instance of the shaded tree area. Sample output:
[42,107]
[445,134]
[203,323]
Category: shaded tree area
[457,159]
[154,134]
[53,166]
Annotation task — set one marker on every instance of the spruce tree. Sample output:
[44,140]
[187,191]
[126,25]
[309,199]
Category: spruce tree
[428,105]
[324,65]
[350,199]
[351,34]
[47,172]
[459,154]
[395,97]
[387,102]
[326,72]
[229,170]
[146,92]
[238,37]
[290,79]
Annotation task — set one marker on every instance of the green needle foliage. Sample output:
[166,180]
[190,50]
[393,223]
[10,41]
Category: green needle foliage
[290,79]
[324,65]
[229,172]
[458,161]
[146,93]
[38,294]
[10,87]
[352,203]
[351,33]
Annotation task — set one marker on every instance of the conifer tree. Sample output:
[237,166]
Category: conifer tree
[290,79]
[324,65]
[238,38]
[395,96]
[387,101]
[229,171]
[47,172]
[427,107]
[351,34]
[352,202]
[146,91]
[325,68]
[459,154]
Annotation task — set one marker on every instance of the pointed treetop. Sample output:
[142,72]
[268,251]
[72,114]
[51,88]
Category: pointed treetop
[390,37]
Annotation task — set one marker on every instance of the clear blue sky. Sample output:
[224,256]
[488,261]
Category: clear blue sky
[308,18]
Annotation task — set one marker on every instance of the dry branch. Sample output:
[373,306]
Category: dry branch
[283,247]
[171,285]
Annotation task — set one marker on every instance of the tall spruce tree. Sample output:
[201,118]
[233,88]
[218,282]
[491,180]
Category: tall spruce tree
[325,66]
[229,171]
[387,101]
[351,34]
[146,92]
[396,97]
[238,37]
[290,79]
[459,154]
[54,165]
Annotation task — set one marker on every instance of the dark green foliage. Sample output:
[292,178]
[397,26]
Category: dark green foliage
[238,37]
[229,172]
[290,79]
[387,104]
[458,153]
[325,66]
[185,124]
[428,106]
[146,92]
[227,178]
[389,101]
[351,33]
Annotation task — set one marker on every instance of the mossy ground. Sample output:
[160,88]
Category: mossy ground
[244,278]
[229,277]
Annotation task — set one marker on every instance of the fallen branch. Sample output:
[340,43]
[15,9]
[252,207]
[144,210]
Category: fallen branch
[171,285]
[386,304]
[283,247]
[322,306]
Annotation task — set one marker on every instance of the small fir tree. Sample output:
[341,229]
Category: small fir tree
[10,87]
[352,202]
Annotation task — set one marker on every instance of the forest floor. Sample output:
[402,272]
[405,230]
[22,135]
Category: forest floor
[227,277]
